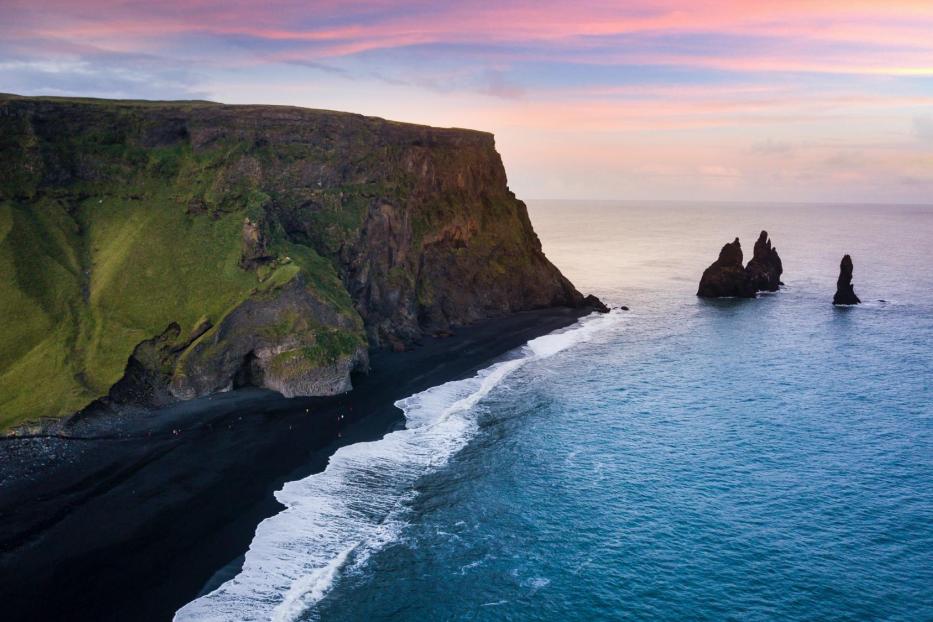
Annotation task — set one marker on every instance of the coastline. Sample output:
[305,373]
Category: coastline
[173,522]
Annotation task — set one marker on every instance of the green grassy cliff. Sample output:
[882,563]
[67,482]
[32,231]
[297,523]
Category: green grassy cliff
[154,251]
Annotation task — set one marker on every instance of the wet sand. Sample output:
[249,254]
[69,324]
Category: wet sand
[137,515]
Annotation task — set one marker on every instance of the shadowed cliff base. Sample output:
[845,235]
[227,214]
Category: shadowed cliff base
[182,490]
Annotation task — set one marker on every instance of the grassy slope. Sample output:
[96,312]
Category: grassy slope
[97,268]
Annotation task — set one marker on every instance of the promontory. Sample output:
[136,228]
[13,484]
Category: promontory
[158,251]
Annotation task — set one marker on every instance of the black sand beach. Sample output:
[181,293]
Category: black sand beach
[133,519]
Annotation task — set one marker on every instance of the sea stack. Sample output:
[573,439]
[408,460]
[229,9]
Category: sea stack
[726,277]
[845,294]
[764,270]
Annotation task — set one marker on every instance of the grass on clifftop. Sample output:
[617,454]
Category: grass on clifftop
[89,279]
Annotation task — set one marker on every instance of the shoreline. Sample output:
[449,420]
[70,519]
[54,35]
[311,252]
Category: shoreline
[173,524]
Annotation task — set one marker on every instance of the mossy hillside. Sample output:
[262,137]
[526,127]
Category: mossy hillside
[101,264]
[147,264]
[40,303]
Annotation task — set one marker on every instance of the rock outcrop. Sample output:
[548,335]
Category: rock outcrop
[294,343]
[278,244]
[845,293]
[594,303]
[726,278]
[764,269]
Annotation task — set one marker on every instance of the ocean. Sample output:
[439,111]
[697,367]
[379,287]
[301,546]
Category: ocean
[767,459]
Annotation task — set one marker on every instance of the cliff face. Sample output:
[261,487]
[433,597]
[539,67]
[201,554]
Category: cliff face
[158,251]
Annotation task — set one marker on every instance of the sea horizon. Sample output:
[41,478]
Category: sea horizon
[366,557]
[727,202]
[405,311]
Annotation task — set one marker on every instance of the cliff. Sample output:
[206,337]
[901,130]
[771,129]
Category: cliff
[156,251]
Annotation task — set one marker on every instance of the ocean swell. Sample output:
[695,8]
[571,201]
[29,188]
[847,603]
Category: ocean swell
[357,504]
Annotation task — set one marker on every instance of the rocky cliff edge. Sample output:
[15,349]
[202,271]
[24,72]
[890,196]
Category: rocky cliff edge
[157,251]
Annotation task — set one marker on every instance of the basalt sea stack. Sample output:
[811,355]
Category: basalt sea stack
[845,293]
[727,278]
[765,269]
[157,251]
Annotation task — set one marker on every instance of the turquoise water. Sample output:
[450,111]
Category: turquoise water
[766,459]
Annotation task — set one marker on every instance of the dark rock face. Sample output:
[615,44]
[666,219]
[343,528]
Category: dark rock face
[726,277]
[148,371]
[595,304]
[765,269]
[845,293]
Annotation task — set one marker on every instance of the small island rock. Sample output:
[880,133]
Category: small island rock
[845,293]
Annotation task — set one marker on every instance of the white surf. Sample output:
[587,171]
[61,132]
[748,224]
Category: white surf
[357,504]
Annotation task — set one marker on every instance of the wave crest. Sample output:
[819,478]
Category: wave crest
[356,505]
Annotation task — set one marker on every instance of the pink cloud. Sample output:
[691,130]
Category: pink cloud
[694,112]
[897,25]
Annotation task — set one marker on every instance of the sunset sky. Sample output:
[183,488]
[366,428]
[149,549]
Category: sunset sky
[674,99]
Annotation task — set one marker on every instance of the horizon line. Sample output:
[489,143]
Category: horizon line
[736,202]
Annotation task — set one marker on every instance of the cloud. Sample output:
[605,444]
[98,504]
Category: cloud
[923,128]
[844,160]
[916,182]
[773,147]
[853,37]
[83,70]
[496,84]
[718,170]
[318,66]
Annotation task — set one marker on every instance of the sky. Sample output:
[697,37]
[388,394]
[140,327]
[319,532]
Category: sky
[770,100]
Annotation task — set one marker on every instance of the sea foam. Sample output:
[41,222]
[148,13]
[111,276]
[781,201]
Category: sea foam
[358,503]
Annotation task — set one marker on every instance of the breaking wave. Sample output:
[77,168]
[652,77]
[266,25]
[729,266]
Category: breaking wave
[357,504]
